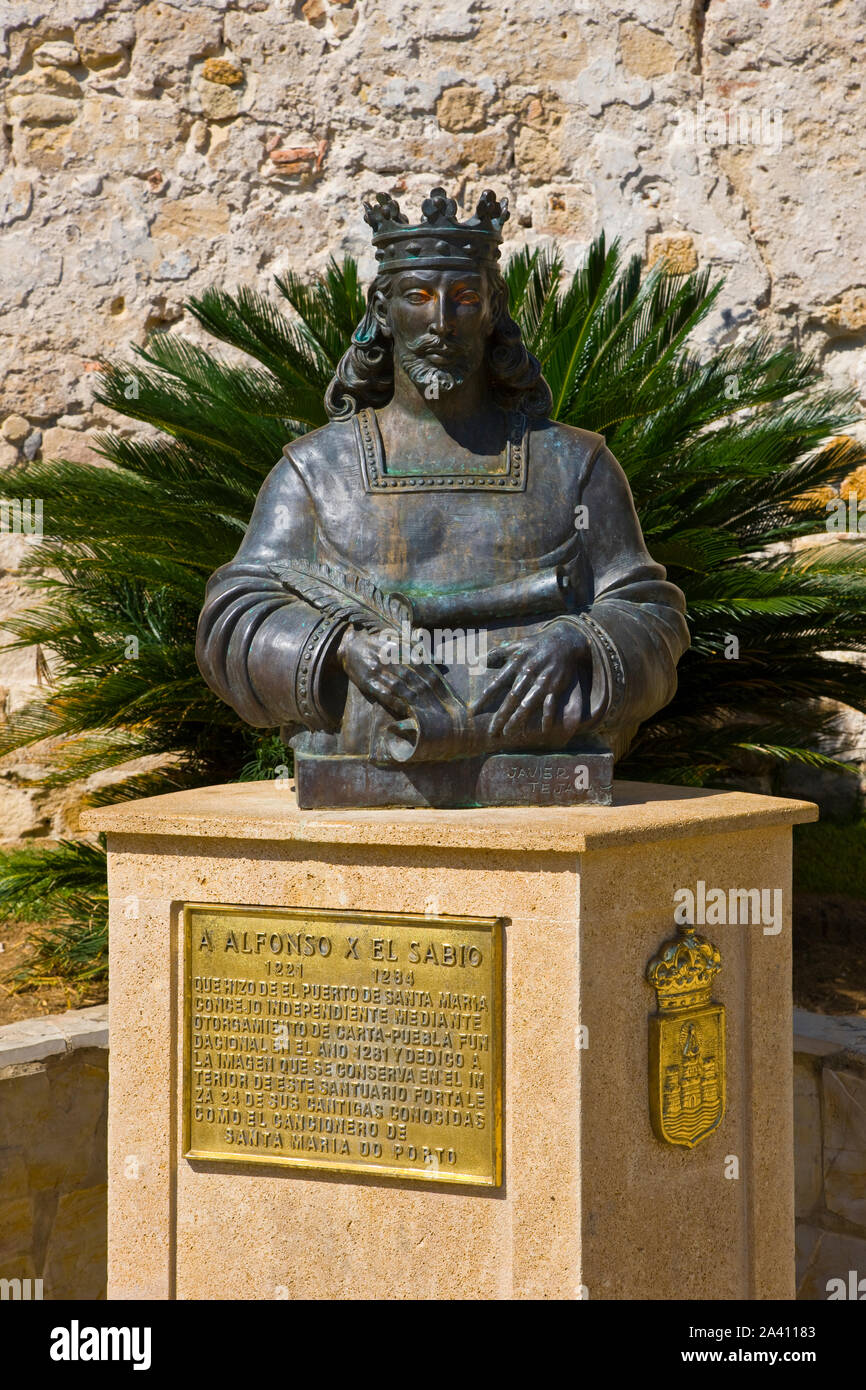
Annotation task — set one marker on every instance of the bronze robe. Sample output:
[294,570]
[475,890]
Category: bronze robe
[552,534]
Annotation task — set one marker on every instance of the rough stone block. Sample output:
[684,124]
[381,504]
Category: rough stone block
[31,1040]
[16,1228]
[168,37]
[105,43]
[51,81]
[808,1172]
[58,54]
[74,445]
[218,102]
[84,1027]
[845,1145]
[676,249]
[16,429]
[43,110]
[222,71]
[75,1257]
[461,108]
[828,1269]
[806,1238]
[185,218]
[539,157]
[53,1156]
[645,52]
[23,814]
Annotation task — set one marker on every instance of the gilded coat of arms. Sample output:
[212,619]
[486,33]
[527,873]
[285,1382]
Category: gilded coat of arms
[686,1042]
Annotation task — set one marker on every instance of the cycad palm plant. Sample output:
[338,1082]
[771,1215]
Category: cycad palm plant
[726,455]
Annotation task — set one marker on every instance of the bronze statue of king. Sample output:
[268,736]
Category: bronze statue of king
[443,598]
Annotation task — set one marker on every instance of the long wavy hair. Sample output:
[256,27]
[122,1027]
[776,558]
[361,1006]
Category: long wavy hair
[365,373]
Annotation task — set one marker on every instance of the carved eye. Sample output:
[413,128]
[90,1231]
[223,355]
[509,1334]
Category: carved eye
[417,296]
[468,297]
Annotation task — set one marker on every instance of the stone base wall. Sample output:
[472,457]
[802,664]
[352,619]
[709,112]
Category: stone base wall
[830,1154]
[53,1102]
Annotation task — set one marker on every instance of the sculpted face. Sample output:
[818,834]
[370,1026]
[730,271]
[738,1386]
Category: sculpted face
[440,321]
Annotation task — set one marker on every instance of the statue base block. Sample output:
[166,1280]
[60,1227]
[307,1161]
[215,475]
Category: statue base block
[625,1174]
[498,779]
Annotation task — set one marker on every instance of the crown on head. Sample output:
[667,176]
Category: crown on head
[439,241]
[682,973]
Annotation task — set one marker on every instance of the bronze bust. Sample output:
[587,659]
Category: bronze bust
[443,597]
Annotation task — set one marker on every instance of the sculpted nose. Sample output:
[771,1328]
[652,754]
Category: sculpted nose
[442,319]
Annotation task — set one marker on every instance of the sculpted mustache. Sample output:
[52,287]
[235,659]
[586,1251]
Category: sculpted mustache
[429,342]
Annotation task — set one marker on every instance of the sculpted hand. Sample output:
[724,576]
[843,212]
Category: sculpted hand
[536,672]
[397,688]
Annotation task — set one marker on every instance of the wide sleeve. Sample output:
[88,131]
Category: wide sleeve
[260,649]
[635,621]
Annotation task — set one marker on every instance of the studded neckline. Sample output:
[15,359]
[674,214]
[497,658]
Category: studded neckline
[509,477]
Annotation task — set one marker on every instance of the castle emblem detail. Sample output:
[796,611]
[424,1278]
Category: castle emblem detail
[686,1042]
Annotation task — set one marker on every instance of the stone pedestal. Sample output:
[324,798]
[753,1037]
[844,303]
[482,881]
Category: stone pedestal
[591,1203]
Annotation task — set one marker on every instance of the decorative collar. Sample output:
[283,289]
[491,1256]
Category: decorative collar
[378,477]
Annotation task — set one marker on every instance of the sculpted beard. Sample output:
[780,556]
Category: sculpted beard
[414,361]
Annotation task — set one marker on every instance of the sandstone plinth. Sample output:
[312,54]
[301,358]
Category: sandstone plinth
[592,1204]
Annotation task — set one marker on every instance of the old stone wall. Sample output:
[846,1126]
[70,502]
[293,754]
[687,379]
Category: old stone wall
[148,150]
[830,1155]
[53,1095]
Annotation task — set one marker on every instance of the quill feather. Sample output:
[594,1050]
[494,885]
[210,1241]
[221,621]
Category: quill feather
[343,593]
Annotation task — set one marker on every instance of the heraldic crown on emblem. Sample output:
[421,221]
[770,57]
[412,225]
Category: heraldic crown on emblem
[683,971]
[439,241]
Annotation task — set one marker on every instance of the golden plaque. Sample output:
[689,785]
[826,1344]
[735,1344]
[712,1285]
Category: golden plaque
[686,1042]
[351,1042]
